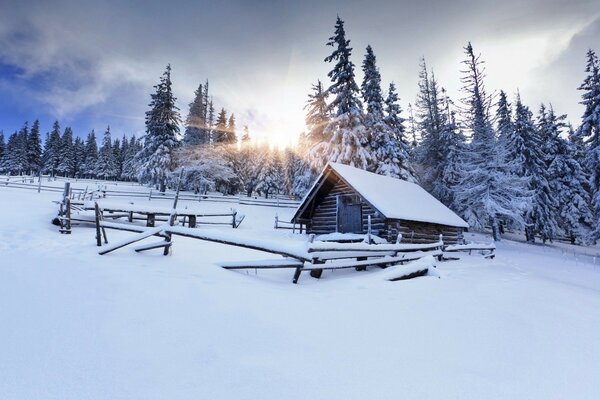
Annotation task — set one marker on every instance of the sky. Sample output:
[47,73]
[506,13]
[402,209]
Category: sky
[90,64]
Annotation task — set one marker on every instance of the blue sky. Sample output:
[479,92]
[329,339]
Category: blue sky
[93,64]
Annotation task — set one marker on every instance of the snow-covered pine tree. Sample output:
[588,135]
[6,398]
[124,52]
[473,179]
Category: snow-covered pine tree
[346,128]
[118,157]
[299,175]
[271,179]
[90,161]
[589,133]
[529,157]
[396,150]
[105,167]
[79,156]
[210,123]
[220,131]
[51,155]
[130,167]
[12,148]
[487,191]
[19,154]
[504,120]
[2,151]
[162,130]
[195,122]
[317,118]
[452,139]
[34,149]
[566,178]
[429,155]
[231,135]
[412,130]
[66,164]
[376,129]
[250,163]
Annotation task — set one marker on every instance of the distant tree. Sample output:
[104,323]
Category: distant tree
[271,180]
[34,148]
[79,156]
[66,164]
[220,132]
[162,130]
[2,151]
[105,167]
[88,168]
[52,146]
[195,123]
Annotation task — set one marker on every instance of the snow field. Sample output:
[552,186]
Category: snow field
[76,325]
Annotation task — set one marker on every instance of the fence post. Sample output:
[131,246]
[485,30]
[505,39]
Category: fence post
[233,219]
[276,220]
[150,195]
[369,229]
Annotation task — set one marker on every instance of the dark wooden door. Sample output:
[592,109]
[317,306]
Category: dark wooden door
[349,214]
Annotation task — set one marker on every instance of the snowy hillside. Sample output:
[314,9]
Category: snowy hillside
[76,325]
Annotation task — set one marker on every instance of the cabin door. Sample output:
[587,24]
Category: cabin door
[349,214]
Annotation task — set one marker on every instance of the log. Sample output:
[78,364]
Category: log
[136,238]
[151,246]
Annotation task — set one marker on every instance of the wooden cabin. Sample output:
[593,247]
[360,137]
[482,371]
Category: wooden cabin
[343,198]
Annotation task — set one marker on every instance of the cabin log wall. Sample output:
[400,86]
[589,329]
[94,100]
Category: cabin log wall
[423,232]
[324,219]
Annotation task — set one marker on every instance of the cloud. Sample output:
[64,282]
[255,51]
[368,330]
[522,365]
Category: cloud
[95,63]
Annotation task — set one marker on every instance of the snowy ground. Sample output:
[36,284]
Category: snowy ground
[76,325]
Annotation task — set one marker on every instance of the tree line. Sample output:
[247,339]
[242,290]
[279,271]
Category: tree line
[489,157]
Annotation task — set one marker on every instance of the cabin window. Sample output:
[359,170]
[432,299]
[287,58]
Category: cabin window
[349,214]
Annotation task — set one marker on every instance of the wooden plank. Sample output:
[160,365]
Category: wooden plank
[151,246]
[136,238]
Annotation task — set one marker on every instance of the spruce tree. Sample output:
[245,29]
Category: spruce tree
[2,151]
[20,162]
[487,192]
[220,131]
[317,118]
[52,146]
[79,157]
[34,149]
[566,178]
[346,128]
[105,167]
[271,179]
[162,129]
[231,136]
[396,150]
[66,164]
[90,161]
[195,122]
[589,133]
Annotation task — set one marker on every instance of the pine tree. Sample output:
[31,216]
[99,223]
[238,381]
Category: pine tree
[18,155]
[90,161]
[271,180]
[220,131]
[589,132]
[162,130]
[210,123]
[346,128]
[487,191]
[52,146]
[130,166]
[118,157]
[250,163]
[34,148]
[231,136]
[504,120]
[66,164]
[395,149]
[2,151]
[530,161]
[317,118]
[431,120]
[566,178]
[79,156]
[105,167]
[195,123]
[11,156]
[298,174]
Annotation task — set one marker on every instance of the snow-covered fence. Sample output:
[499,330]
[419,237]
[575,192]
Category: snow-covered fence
[279,224]
[488,250]
[25,182]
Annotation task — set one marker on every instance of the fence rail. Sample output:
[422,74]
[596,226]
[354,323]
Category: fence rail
[34,183]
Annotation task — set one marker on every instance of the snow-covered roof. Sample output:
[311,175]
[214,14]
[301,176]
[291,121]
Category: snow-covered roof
[395,198]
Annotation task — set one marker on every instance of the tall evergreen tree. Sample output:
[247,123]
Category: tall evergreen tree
[271,180]
[90,161]
[52,146]
[162,130]
[317,118]
[589,132]
[78,156]
[66,164]
[195,123]
[346,128]
[231,130]
[487,191]
[566,178]
[105,167]
[220,131]
[34,148]
[2,151]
